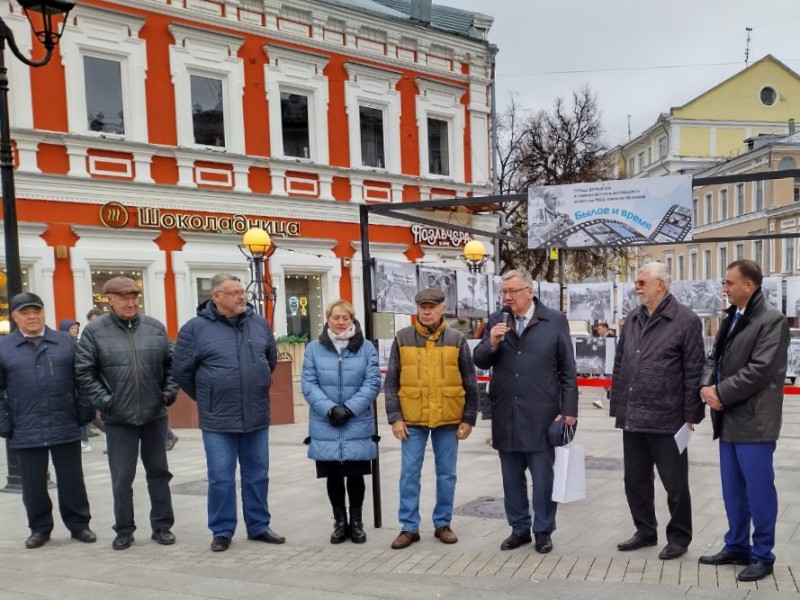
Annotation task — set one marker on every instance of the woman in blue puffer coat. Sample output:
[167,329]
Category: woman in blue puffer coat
[340,383]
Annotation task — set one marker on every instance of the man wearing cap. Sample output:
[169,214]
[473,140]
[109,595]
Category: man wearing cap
[41,417]
[655,391]
[430,391]
[534,383]
[124,367]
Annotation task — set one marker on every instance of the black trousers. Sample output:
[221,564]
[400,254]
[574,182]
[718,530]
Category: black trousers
[642,452]
[125,443]
[73,503]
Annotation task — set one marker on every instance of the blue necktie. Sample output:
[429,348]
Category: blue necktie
[734,321]
[520,326]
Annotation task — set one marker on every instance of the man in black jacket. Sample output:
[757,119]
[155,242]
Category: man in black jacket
[124,367]
[743,385]
[655,392]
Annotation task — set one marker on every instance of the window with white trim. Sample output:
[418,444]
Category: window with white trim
[373,108]
[739,198]
[440,115]
[695,209]
[662,147]
[707,264]
[723,204]
[297,97]
[693,266]
[209,83]
[723,260]
[681,268]
[759,194]
[788,255]
[739,251]
[709,215]
[105,63]
[758,252]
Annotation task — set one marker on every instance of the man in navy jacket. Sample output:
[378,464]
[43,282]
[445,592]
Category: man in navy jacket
[41,416]
[223,359]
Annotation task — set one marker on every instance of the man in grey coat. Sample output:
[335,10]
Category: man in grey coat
[743,384]
[124,367]
[655,392]
[534,382]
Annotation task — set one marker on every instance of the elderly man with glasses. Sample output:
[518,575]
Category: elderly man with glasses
[534,383]
[224,358]
[124,367]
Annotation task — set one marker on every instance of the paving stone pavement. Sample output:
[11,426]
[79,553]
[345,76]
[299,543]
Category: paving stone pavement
[583,564]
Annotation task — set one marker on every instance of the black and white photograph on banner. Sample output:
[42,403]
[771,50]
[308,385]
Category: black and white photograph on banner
[627,298]
[708,344]
[473,294]
[395,287]
[793,296]
[590,302]
[773,291]
[478,372]
[384,348]
[591,355]
[793,358]
[443,279]
[703,297]
[495,298]
[550,294]
[611,213]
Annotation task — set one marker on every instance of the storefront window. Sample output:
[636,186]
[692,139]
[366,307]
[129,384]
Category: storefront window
[305,314]
[203,289]
[102,274]
[5,326]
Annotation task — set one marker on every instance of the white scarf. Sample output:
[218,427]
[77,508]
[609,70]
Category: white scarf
[341,340]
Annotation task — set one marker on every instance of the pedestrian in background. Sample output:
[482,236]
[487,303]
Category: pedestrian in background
[340,382]
[124,367]
[41,416]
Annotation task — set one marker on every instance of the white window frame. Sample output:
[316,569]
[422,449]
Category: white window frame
[788,262]
[663,148]
[739,195]
[296,72]
[708,264]
[695,211]
[756,259]
[722,264]
[441,101]
[693,266]
[207,54]
[109,35]
[373,88]
[738,251]
[724,204]
[756,186]
[708,208]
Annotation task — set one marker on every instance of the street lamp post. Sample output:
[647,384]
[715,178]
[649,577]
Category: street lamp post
[475,256]
[48,32]
[258,247]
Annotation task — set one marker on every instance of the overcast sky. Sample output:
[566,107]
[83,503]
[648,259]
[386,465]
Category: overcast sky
[640,57]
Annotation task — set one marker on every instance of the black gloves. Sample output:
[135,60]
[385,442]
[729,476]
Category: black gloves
[339,415]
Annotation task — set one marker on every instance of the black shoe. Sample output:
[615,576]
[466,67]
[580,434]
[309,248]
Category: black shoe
[86,536]
[123,541]
[37,540]
[163,536]
[672,550]
[220,543]
[754,571]
[270,537]
[543,543]
[340,532]
[723,557]
[356,528]
[515,541]
[636,542]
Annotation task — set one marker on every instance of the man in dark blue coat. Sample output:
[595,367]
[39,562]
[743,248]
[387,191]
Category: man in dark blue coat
[223,359]
[41,416]
[534,382]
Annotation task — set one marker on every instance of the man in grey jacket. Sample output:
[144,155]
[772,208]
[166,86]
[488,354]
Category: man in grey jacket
[743,384]
[123,366]
[655,392]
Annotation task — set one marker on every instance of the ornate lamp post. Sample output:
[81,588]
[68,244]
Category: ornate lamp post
[48,31]
[258,247]
[475,256]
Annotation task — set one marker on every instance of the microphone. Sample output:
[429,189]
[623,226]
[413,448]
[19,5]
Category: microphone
[509,318]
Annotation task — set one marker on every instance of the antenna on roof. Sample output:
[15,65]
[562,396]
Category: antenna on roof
[747,47]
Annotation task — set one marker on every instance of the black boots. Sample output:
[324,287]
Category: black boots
[340,531]
[357,533]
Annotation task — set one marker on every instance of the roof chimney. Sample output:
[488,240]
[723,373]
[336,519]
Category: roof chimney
[791,126]
[421,11]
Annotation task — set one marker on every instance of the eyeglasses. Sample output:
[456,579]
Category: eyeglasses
[643,282]
[237,294]
[513,291]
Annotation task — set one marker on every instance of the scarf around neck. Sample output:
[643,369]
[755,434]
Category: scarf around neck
[341,340]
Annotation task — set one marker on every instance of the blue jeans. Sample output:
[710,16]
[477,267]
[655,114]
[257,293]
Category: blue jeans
[445,451]
[252,451]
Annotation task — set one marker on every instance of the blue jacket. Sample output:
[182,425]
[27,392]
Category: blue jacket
[226,365]
[351,379]
[39,406]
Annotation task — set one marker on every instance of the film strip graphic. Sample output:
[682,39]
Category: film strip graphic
[674,227]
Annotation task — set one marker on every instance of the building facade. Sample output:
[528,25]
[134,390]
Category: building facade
[161,130]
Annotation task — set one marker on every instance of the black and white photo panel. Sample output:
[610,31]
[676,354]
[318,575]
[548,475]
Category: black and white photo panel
[590,302]
[495,297]
[772,289]
[703,297]
[594,355]
[793,296]
[627,299]
[550,294]
[473,294]
[443,279]
[793,358]
[395,287]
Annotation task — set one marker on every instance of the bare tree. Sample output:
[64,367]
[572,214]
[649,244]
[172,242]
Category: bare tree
[562,146]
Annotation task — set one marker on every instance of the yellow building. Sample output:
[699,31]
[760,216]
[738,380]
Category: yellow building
[713,127]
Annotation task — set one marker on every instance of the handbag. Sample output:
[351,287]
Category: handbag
[561,434]
[569,473]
